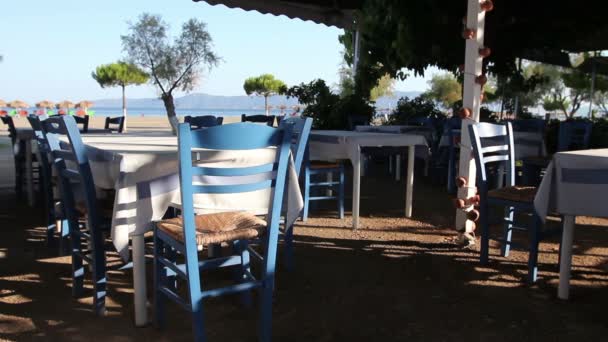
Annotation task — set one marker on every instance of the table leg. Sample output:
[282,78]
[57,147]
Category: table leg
[398,167]
[566,257]
[29,173]
[139,280]
[409,181]
[356,187]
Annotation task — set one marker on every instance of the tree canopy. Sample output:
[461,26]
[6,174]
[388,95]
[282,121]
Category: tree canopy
[120,74]
[264,85]
[176,64]
[444,89]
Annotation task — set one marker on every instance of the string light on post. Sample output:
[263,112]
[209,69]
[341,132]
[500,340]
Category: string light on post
[468,34]
[486,5]
[485,52]
[464,113]
[481,80]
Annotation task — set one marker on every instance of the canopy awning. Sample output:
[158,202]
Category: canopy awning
[338,13]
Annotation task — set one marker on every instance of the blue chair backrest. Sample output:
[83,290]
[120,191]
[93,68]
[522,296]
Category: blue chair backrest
[72,166]
[12,131]
[239,136]
[203,121]
[118,120]
[451,128]
[574,135]
[299,140]
[492,143]
[268,119]
[43,148]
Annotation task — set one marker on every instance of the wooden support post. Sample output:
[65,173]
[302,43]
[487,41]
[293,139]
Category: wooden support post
[471,99]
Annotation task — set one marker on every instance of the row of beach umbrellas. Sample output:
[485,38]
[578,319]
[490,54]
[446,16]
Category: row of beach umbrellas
[47,104]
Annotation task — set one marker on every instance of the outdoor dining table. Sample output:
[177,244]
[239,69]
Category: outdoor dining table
[574,184]
[336,145]
[142,168]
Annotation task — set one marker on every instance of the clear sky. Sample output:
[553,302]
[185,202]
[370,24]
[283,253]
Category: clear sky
[50,48]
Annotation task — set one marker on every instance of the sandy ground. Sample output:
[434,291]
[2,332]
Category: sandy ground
[393,279]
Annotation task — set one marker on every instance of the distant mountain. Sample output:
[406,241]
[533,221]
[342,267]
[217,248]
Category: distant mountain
[206,101]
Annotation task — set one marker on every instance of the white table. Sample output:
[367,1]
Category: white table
[575,184]
[143,170]
[334,145]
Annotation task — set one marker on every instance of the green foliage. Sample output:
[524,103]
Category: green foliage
[414,108]
[444,89]
[172,64]
[264,85]
[119,74]
[384,87]
[328,110]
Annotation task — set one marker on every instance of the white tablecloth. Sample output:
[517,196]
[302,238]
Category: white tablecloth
[575,183]
[143,170]
[333,145]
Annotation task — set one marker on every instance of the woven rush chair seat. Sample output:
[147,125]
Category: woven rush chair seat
[514,193]
[217,228]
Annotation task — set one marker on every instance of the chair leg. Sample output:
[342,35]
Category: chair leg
[240,248]
[159,280]
[485,231]
[507,232]
[306,193]
[77,264]
[533,256]
[288,237]
[341,192]
[99,274]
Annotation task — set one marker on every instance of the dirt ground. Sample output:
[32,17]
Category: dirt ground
[394,279]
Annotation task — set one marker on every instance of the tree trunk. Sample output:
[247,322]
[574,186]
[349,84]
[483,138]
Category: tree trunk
[170,108]
[266,104]
[124,109]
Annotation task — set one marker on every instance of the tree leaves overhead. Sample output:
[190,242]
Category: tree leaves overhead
[119,74]
[172,65]
[264,85]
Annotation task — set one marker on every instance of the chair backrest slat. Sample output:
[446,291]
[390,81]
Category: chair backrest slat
[203,121]
[268,119]
[70,174]
[497,148]
[226,172]
[232,189]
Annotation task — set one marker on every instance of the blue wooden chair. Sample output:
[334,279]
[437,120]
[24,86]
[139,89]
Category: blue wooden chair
[300,131]
[83,121]
[188,234]
[78,198]
[484,137]
[203,121]
[115,124]
[316,168]
[452,131]
[572,135]
[46,182]
[268,119]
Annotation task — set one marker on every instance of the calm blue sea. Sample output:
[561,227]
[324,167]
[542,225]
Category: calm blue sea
[152,111]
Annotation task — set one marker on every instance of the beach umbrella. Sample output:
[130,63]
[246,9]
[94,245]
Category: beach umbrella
[2,103]
[18,104]
[65,104]
[45,104]
[84,104]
